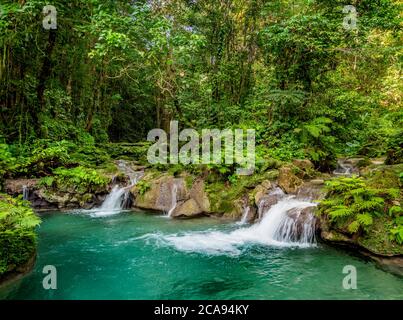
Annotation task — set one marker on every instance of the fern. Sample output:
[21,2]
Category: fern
[353,227]
[365,219]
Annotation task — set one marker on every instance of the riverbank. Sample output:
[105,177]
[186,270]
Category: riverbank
[182,194]
[138,255]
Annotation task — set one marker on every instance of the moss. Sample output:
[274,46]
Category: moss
[223,194]
[189,180]
[384,176]
[377,239]
[361,207]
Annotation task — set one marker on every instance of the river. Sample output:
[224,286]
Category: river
[134,255]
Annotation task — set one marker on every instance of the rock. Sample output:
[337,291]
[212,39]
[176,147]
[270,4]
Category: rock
[15,186]
[301,221]
[336,237]
[312,190]
[198,193]
[303,164]
[262,190]
[268,200]
[159,196]
[189,208]
[318,182]
[252,215]
[288,181]
[60,200]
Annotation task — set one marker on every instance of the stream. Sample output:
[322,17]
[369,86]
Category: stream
[135,255]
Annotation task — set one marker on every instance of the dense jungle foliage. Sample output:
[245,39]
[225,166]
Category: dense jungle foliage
[17,236]
[113,70]
[74,98]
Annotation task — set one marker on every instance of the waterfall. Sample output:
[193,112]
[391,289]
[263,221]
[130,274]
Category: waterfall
[244,219]
[119,198]
[113,201]
[174,192]
[25,192]
[285,224]
[269,200]
[343,168]
[278,226]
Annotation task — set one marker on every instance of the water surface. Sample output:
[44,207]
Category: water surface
[139,256]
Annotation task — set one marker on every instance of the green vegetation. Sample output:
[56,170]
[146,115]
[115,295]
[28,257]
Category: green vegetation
[354,206]
[114,70]
[17,235]
[79,179]
[76,98]
[143,186]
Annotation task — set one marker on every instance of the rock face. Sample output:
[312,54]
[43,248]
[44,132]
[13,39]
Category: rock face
[262,190]
[15,187]
[288,181]
[168,193]
[302,220]
[311,190]
[44,199]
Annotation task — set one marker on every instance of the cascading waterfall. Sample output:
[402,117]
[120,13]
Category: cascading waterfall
[119,198]
[343,168]
[174,202]
[25,192]
[277,228]
[113,202]
[264,202]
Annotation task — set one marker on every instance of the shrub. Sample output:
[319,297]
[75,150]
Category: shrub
[80,179]
[353,205]
[17,235]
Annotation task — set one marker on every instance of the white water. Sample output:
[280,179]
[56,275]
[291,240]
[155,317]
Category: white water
[275,229]
[25,193]
[343,169]
[244,219]
[119,196]
[113,201]
[174,202]
[261,210]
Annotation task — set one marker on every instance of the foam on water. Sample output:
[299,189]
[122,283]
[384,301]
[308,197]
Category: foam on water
[272,230]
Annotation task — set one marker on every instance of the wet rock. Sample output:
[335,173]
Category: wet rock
[160,195]
[251,215]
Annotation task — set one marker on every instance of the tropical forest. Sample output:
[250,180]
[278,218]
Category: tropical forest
[201,149]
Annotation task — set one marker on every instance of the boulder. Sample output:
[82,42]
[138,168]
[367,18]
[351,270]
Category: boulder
[191,201]
[159,195]
[198,193]
[187,209]
[288,181]
[311,190]
[262,190]
[303,164]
